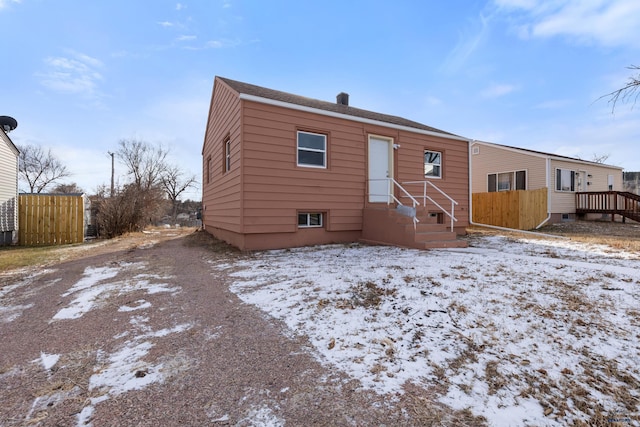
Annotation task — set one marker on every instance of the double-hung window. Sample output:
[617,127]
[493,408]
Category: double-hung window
[432,164]
[565,180]
[309,220]
[312,149]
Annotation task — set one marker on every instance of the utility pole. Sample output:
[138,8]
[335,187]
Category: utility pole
[112,171]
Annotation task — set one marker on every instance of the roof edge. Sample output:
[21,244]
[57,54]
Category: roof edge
[259,99]
[542,154]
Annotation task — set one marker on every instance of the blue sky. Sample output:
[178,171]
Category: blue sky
[80,76]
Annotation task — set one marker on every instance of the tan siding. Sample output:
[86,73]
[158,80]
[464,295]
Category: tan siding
[565,202]
[492,159]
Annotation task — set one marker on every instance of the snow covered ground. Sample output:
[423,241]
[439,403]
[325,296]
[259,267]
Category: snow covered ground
[527,331]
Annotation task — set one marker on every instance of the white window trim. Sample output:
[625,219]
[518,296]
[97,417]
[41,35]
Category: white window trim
[514,175]
[555,181]
[227,155]
[441,166]
[309,225]
[324,152]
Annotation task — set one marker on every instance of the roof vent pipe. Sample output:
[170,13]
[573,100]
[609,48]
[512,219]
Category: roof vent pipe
[342,99]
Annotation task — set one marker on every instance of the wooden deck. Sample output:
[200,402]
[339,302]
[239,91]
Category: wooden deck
[622,203]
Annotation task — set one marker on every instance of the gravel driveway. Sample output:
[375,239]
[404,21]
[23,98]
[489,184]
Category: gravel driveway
[143,332]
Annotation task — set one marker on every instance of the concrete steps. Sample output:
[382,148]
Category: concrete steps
[387,226]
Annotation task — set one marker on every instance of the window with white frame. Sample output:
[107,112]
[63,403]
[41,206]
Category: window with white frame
[227,154]
[312,149]
[507,181]
[565,180]
[309,219]
[432,164]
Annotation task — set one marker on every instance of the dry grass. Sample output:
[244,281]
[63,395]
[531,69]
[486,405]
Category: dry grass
[21,257]
[617,235]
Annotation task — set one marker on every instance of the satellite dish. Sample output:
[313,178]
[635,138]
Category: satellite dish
[8,123]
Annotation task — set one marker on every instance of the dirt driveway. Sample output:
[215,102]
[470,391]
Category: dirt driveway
[142,332]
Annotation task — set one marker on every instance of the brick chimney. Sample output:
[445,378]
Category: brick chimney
[342,99]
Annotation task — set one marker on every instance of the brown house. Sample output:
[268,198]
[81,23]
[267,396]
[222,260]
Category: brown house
[281,170]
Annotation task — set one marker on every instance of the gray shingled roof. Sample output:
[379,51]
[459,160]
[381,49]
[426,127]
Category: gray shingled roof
[262,92]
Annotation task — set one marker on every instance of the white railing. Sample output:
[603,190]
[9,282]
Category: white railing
[390,195]
[426,197]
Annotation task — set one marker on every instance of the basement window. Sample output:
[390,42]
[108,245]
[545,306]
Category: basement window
[309,219]
[312,150]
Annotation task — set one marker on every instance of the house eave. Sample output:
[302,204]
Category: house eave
[545,155]
[291,106]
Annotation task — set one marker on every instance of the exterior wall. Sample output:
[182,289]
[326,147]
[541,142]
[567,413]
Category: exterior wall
[8,191]
[565,202]
[256,205]
[492,159]
[409,162]
[275,189]
[221,190]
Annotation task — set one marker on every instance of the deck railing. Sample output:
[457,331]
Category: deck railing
[614,203]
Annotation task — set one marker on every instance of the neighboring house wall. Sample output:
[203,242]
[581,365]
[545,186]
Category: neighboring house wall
[588,177]
[8,190]
[256,204]
[489,158]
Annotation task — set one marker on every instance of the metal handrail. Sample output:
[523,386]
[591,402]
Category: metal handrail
[426,197]
[390,195]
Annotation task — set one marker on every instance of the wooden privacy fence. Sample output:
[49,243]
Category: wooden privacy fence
[50,219]
[521,209]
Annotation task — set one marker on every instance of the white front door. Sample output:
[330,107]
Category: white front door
[379,170]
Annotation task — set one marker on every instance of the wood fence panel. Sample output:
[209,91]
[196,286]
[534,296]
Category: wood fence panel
[522,210]
[50,219]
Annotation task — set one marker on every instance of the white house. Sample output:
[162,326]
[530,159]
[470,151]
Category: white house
[8,190]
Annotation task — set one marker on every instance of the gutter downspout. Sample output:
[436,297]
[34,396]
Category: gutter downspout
[513,230]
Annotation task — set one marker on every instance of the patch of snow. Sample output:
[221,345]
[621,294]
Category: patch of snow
[492,324]
[49,360]
[262,416]
[94,289]
[12,312]
[141,304]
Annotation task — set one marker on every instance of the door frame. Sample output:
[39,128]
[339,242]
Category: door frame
[390,163]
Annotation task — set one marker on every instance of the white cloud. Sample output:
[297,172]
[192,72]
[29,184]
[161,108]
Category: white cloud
[76,74]
[467,44]
[497,90]
[180,6]
[603,22]
[186,38]
[166,24]
[5,3]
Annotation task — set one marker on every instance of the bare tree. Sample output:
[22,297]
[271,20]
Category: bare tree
[145,162]
[599,158]
[71,188]
[39,168]
[628,92]
[174,184]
